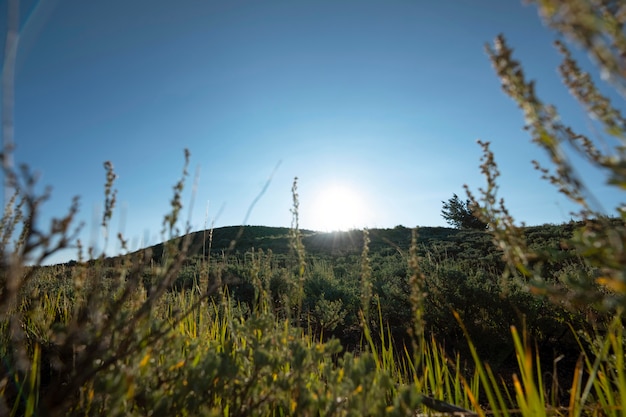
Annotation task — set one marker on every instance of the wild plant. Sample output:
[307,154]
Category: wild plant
[99,338]
[599,242]
[295,240]
[89,335]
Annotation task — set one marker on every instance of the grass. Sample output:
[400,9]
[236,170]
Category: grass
[252,333]
[103,339]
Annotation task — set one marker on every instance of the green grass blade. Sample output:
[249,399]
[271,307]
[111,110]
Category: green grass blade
[494,397]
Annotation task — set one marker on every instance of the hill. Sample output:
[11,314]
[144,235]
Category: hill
[338,288]
[474,246]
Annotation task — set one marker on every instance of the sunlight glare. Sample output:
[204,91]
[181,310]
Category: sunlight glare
[339,208]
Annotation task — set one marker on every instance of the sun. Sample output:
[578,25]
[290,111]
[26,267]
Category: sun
[338,207]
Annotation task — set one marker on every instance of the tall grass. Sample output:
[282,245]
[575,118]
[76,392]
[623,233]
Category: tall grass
[114,337]
[199,355]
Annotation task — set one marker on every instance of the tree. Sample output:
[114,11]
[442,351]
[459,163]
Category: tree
[460,214]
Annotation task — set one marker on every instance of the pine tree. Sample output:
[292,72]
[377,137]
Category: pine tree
[460,214]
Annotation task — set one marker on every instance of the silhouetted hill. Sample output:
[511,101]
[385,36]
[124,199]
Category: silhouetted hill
[241,239]
[473,246]
[470,245]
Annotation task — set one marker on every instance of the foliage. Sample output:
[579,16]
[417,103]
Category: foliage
[461,214]
[131,336]
[597,240]
[258,332]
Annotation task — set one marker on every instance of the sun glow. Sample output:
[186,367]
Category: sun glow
[338,208]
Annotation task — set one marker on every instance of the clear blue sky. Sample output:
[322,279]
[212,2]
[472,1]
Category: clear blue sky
[380,100]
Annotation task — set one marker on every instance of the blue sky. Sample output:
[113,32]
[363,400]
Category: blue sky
[376,106]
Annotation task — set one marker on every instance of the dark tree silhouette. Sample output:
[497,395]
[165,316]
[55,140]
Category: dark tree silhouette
[460,214]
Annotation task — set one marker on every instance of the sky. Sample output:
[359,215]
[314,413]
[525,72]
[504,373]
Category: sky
[375,107]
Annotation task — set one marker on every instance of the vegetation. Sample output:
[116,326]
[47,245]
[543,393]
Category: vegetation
[261,321]
[461,214]
[246,328]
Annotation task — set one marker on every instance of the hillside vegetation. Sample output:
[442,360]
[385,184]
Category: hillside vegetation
[157,318]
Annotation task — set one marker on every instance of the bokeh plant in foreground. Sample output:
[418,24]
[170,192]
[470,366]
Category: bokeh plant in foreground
[597,27]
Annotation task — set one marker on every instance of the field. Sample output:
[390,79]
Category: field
[270,321]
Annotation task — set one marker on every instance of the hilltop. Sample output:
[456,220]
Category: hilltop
[456,244]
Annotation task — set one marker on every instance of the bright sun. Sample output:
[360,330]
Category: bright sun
[338,207]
